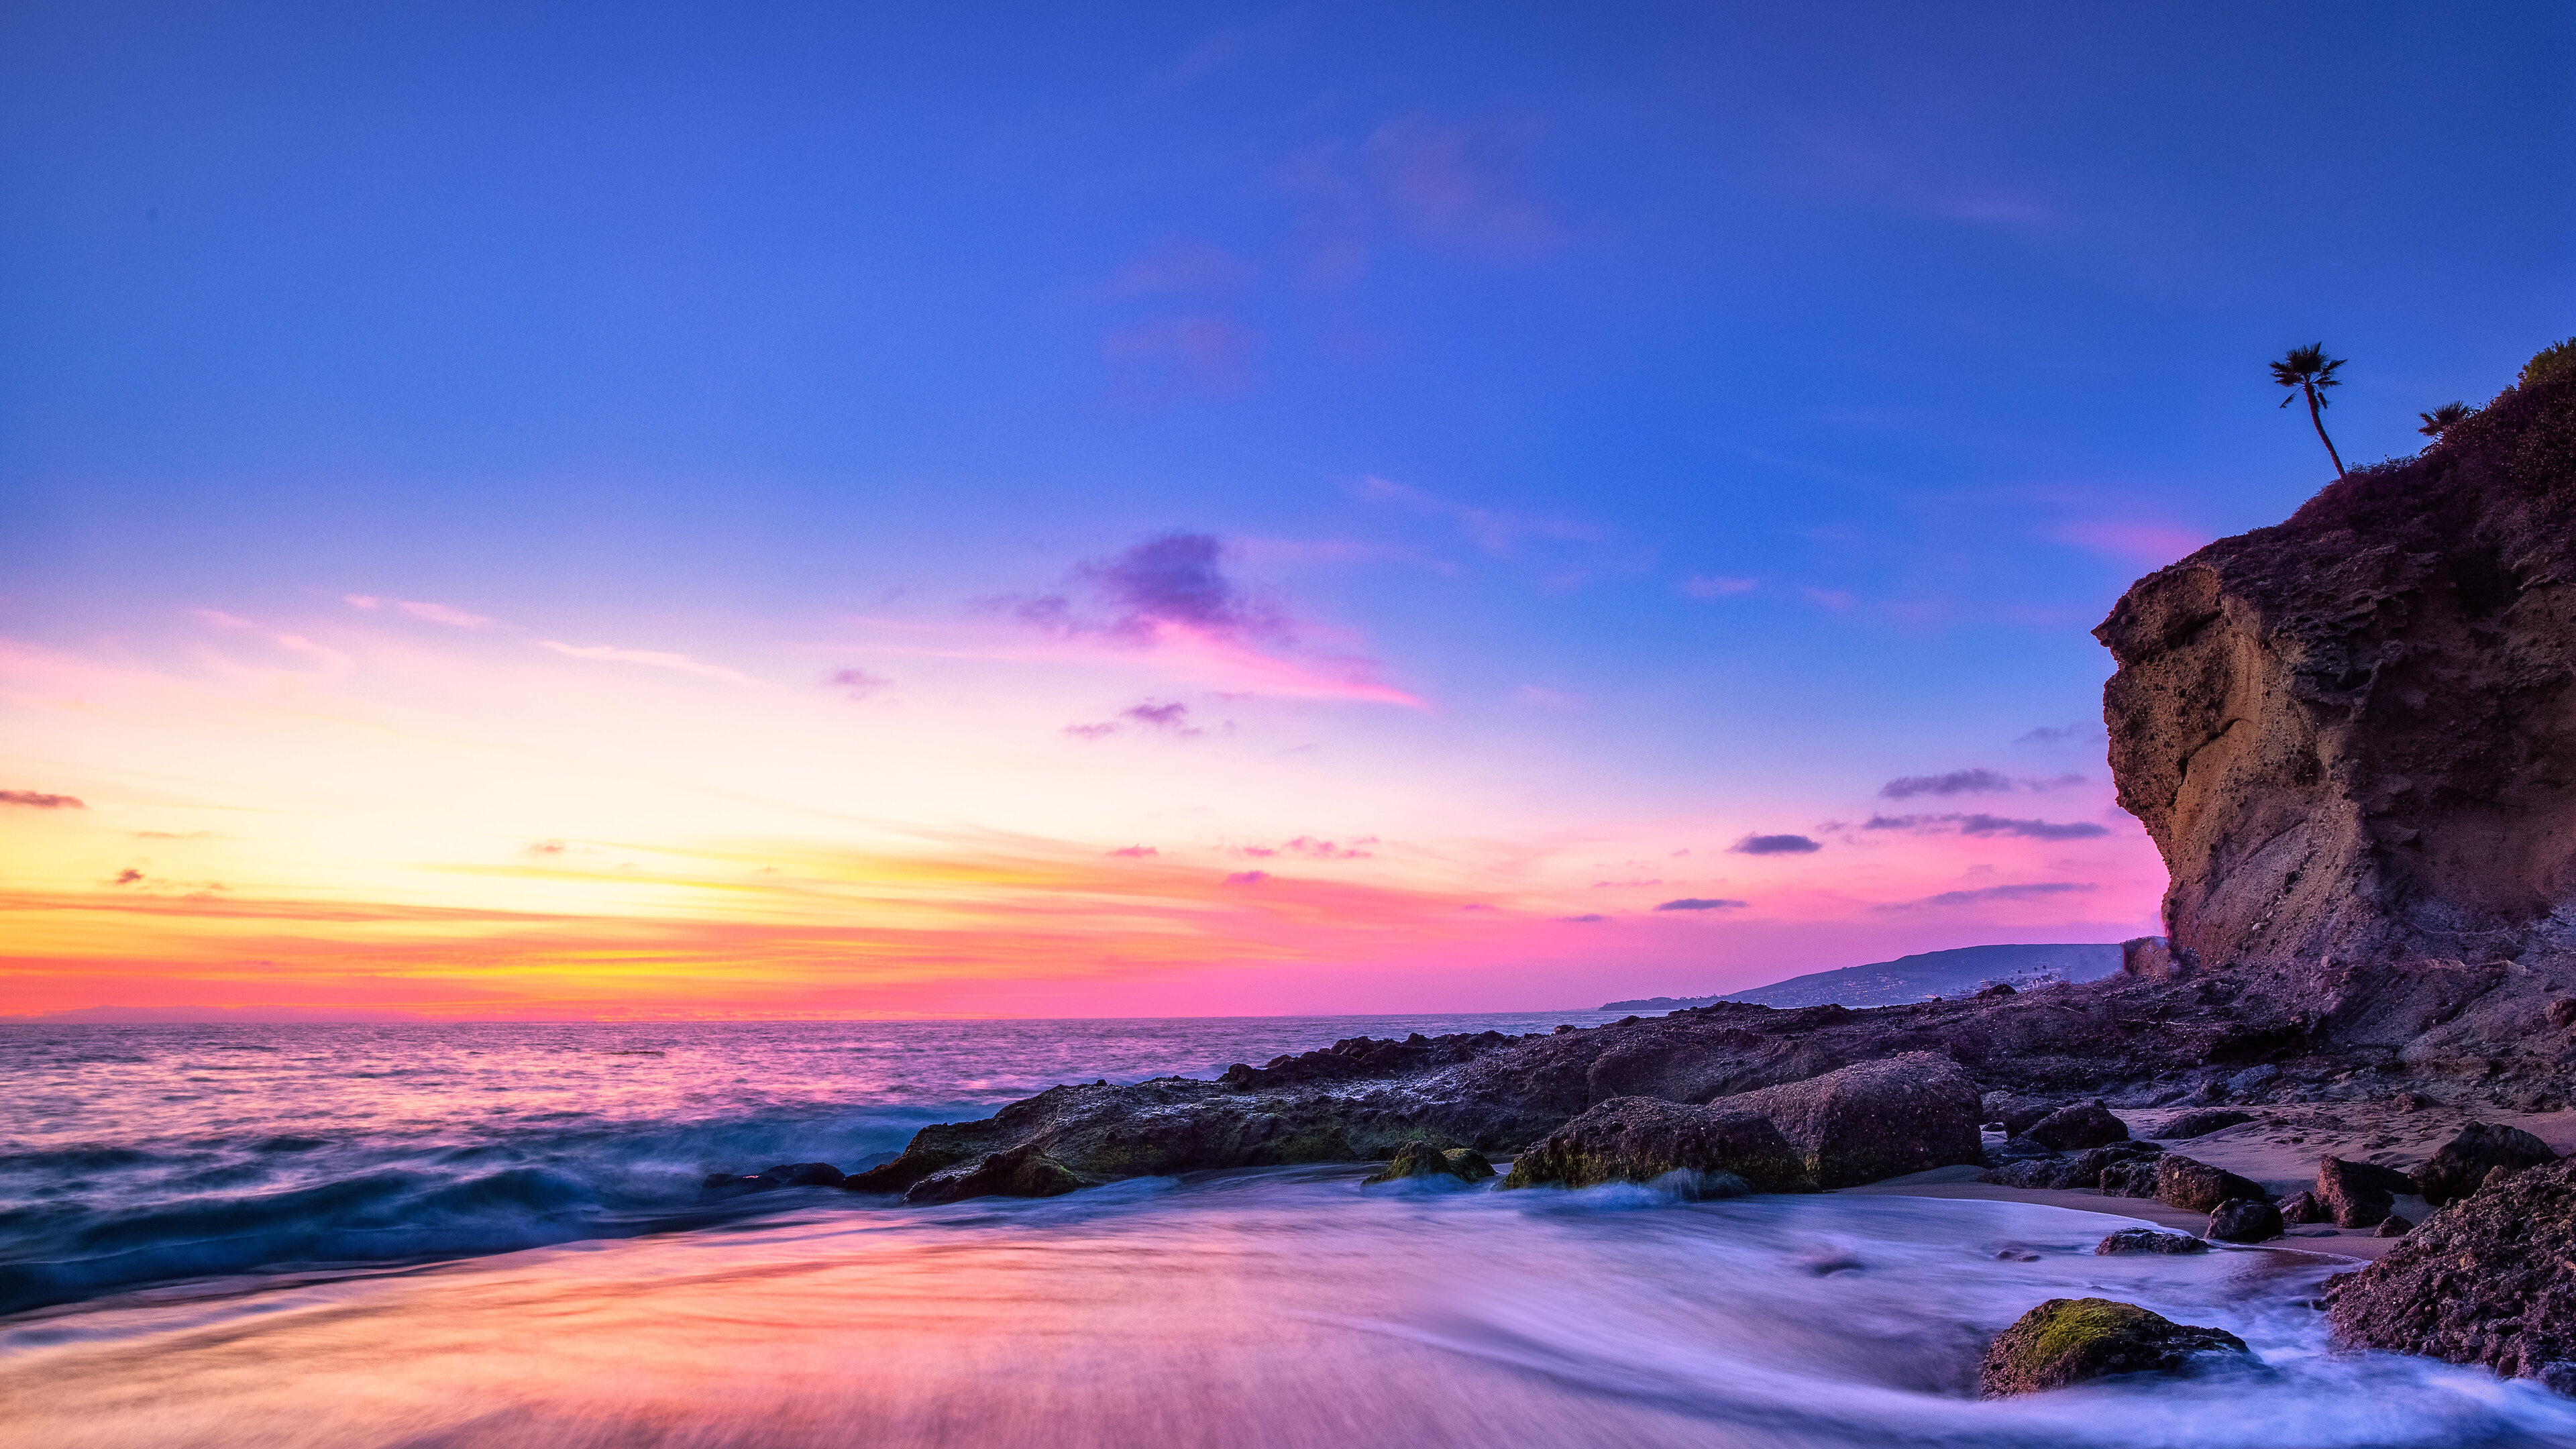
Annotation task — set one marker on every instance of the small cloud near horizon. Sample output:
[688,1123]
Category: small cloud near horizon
[857,683]
[1701,903]
[1134,852]
[1775,845]
[608,653]
[1247,877]
[2034,891]
[2079,732]
[1990,825]
[1977,781]
[420,609]
[1582,920]
[127,876]
[38,800]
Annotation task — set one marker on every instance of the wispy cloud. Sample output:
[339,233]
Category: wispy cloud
[1971,782]
[2035,891]
[1717,586]
[858,683]
[1703,903]
[1498,532]
[38,800]
[421,609]
[2152,545]
[1989,825]
[655,658]
[1134,852]
[1171,718]
[1776,845]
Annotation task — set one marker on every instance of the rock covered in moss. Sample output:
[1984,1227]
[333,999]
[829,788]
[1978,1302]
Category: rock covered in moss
[2200,1188]
[2490,1279]
[1640,1139]
[2464,1162]
[1421,1159]
[2072,1340]
[1874,1120]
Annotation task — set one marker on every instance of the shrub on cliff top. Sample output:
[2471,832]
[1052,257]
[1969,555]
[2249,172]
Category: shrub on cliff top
[2548,362]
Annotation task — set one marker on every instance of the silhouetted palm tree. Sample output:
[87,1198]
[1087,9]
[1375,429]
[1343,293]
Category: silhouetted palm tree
[2444,418]
[2308,370]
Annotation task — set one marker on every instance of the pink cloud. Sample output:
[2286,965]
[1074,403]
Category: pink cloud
[1455,183]
[420,609]
[1717,586]
[2152,544]
[1206,349]
[655,658]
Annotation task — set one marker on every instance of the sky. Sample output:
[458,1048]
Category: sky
[802,510]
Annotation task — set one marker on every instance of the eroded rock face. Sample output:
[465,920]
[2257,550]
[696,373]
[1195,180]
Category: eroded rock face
[2200,1188]
[1874,1120]
[2071,1340]
[2353,737]
[2490,1279]
[1640,1139]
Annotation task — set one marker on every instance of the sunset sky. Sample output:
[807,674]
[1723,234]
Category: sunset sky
[802,510]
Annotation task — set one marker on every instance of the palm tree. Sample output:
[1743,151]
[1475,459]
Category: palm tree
[2444,418]
[2310,371]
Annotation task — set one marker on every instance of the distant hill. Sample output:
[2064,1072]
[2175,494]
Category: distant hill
[1914,978]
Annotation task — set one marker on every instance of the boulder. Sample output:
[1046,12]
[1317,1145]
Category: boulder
[1423,1160]
[1873,1120]
[2392,1226]
[2028,1173]
[2069,1129]
[789,1174]
[2357,1194]
[1640,1139]
[2204,1122]
[2245,1220]
[2072,1340]
[2490,1279]
[2133,1178]
[2464,1162]
[2303,1207]
[1019,1172]
[2015,1114]
[2085,1169]
[2149,1240]
[2200,1188]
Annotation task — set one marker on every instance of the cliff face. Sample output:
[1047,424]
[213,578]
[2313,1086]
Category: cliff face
[2353,735]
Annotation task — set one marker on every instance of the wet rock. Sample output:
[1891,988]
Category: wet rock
[1422,1159]
[2086,1124]
[2245,1220]
[2490,1279]
[2303,1207]
[2016,1114]
[2134,1178]
[2200,1188]
[2149,1240]
[2204,1122]
[1873,1120]
[2357,1194]
[2028,1173]
[2085,1169]
[805,1174]
[2481,1148]
[2392,1226]
[1640,1139]
[2073,1340]
[1019,1172]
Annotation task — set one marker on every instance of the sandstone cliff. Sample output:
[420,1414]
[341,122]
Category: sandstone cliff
[2353,735]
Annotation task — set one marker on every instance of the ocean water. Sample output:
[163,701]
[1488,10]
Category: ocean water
[491,1235]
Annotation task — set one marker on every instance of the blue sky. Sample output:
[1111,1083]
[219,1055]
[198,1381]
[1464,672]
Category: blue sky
[1703,412]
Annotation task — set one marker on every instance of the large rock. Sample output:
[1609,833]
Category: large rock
[2204,1122]
[2071,1129]
[2353,736]
[2245,1220]
[2200,1188]
[2464,1161]
[2490,1279]
[1874,1120]
[1640,1139]
[1020,1172]
[2149,1240]
[2071,1340]
[2358,1194]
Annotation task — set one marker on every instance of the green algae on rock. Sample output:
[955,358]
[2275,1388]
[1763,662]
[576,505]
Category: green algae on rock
[2072,1340]
[1424,1160]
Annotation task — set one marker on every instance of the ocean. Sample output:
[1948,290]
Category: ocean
[423,1235]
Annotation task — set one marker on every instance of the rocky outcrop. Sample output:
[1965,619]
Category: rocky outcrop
[1640,1139]
[2490,1279]
[2200,1188]
[2086,1124]
[1019,1172]
[2204,1122]
[2358,1194]
[2073,1340]
[1429,1161]
[2353,737]
[2244,1220]
[2149,1240]
[2464,1162]
[1873,1120]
